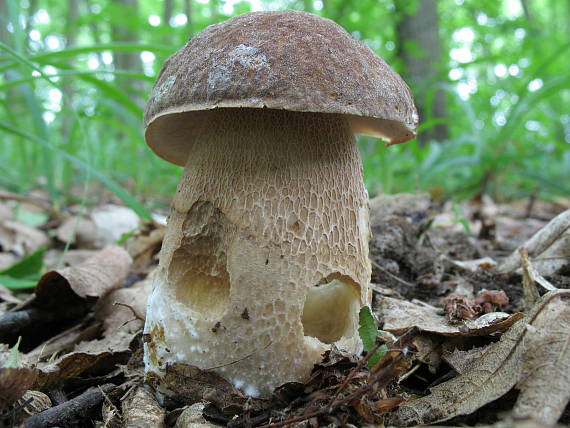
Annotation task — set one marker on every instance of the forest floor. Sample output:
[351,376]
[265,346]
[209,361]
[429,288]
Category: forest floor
[471,300]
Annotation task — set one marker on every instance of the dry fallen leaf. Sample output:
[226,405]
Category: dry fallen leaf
[21,239]
[146,242]
[400,315]
[124,307]
[549,247]
[79,231]
[114,349]
[54,258]
[191,417]
[545,385]
[14,382]
[490,377]
[113,221]
[428,350]
[83,284]
[193,384]
[500,367]
[140,409]
[461,360]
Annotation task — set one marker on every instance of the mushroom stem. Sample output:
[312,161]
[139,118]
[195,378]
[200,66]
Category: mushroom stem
[265,260]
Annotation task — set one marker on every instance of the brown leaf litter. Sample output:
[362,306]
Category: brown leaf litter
[477,327]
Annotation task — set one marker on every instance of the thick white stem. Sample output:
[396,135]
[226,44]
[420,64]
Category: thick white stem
[265,261]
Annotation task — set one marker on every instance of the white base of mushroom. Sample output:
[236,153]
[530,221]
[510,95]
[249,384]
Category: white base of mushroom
[265,261]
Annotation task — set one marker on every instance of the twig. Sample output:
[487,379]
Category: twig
[355,370]
[71,412]
[409,373]
[384,372]
[32,201]
[14,322]
[390,274]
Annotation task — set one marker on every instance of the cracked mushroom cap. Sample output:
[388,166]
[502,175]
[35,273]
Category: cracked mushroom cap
[285,60]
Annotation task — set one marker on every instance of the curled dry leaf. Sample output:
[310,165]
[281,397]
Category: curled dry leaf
[459,308]
[428,350]
[549,248]
[461,361]
[114,349]
[21,239]
[79,231]
[54,258]
[531,277]
[191,417]
[146,242]
[14,382]
[499,369]
[492,297]
[74,288]
[193,384]
[490,377]
[140,409]
[490,323]
[113,221]
[400,315]
[124,308]
[545,385]
[34,402]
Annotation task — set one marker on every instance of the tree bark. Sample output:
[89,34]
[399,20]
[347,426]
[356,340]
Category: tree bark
[420,48]
[168,10]
[122,33]
[188,12]
[214,15]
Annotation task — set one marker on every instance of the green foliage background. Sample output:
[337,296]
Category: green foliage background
[70,117]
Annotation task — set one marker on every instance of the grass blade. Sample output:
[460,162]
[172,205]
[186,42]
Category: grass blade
[121,193]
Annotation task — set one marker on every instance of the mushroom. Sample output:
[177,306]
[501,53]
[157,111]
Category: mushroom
[265,260]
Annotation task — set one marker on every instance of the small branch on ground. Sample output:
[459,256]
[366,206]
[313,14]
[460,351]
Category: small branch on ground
[71,412]
[45,206]
[382,374]
[14,322]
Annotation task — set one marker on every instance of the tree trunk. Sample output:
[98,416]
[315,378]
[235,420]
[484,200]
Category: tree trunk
[420,48]
[168,10]
[127,61]
[188,12]
[214,15]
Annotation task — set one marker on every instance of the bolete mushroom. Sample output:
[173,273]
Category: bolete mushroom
[265,261]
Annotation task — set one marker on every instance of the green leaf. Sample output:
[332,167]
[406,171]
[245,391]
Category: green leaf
[368,331]
[27,267]
[18,283]
[460,218]
[13,359]
[31,218]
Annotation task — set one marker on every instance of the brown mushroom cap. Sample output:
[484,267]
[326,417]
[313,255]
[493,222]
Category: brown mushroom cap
[285,60]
